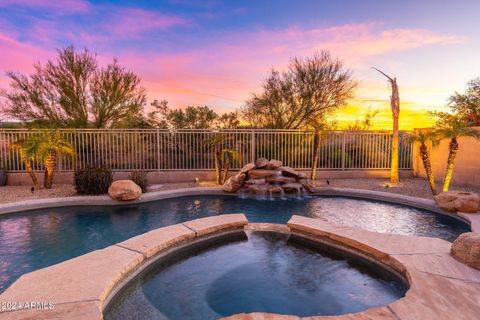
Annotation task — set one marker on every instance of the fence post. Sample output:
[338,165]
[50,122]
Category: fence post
[252,146]
[158,150]
[343,149]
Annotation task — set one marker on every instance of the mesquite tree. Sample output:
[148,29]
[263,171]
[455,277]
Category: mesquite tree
[310,88]
[395,106]
[73,91]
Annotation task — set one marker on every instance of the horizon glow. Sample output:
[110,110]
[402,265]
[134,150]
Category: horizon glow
[217,53]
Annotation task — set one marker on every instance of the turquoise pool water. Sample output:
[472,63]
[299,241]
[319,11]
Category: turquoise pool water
[268,272]
[40,238]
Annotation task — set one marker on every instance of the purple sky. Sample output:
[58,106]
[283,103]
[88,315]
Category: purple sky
[217,52]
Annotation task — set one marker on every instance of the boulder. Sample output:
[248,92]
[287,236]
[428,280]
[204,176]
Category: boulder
[253,189]
[274,164]
[255,181]
[307,184]
[124,190]
[247,167]
[261,173]
[302,175]
[261,163]
[458,201]
[276,190]
[467,202]
[466,249]
[289,187]
[279,179]
[234,183]
[288,172]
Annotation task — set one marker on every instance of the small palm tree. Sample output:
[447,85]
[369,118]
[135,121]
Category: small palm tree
[229,156]
[453,128]
[424,138]
[46,147]
[320,131]
[26,152]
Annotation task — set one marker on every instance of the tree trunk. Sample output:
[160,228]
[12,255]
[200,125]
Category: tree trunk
[226,167]
[428,167]
[394,162]
[50,165]
[453,149]
[29,169]
[218,165]
[316,155]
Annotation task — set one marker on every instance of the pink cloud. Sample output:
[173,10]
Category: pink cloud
[63,6]
[132,21]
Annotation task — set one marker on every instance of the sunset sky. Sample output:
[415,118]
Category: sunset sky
[216,53]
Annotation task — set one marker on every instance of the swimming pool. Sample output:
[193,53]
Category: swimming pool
[259,272]
[40,238]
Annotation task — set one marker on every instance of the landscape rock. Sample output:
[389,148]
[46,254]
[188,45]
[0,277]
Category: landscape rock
[247,167]
[276,190]
[467,202]
[458,201]
[253,189]
[124,190]
[289,172]
[289,187]
[261,173]
[255,181]
[274,164]
[466,249]
[234,183]
[261,163]
[307,184]
[276,179]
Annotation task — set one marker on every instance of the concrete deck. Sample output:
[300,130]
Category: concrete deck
[440,286]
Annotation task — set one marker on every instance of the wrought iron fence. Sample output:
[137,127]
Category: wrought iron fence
[155,149]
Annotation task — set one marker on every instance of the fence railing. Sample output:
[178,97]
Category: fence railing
[156,149]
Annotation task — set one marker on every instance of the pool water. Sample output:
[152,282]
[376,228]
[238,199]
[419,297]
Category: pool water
[266,273]
[40,238]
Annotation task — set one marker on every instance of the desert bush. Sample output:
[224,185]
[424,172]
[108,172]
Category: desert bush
[93,180]
[140,178]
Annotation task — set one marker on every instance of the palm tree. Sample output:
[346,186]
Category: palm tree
[26,152]
[46,147]
[453,128]
[229,156]
[395,106]
[320,131]
[223,157]
[423,138]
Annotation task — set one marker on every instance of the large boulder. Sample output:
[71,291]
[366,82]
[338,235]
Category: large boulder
[261,163]
[247,167]
[276,179]
[255,181]
[290,187]
[261,173]
[233,184]
[458,201]
[307,184]
[124,190]
[466,249]
[289,172]
[274,164]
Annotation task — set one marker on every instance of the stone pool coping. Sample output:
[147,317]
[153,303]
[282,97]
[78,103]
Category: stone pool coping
[439,286]
[420,203]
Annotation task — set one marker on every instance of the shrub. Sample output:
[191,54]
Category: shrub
[140,178]
[93,180]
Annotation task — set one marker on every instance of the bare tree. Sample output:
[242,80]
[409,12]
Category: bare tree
[310,89]
[395,106]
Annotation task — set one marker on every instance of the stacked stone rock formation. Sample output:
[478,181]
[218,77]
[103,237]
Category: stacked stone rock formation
[269,177]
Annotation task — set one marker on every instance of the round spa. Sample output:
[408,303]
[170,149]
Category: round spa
[256,271]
